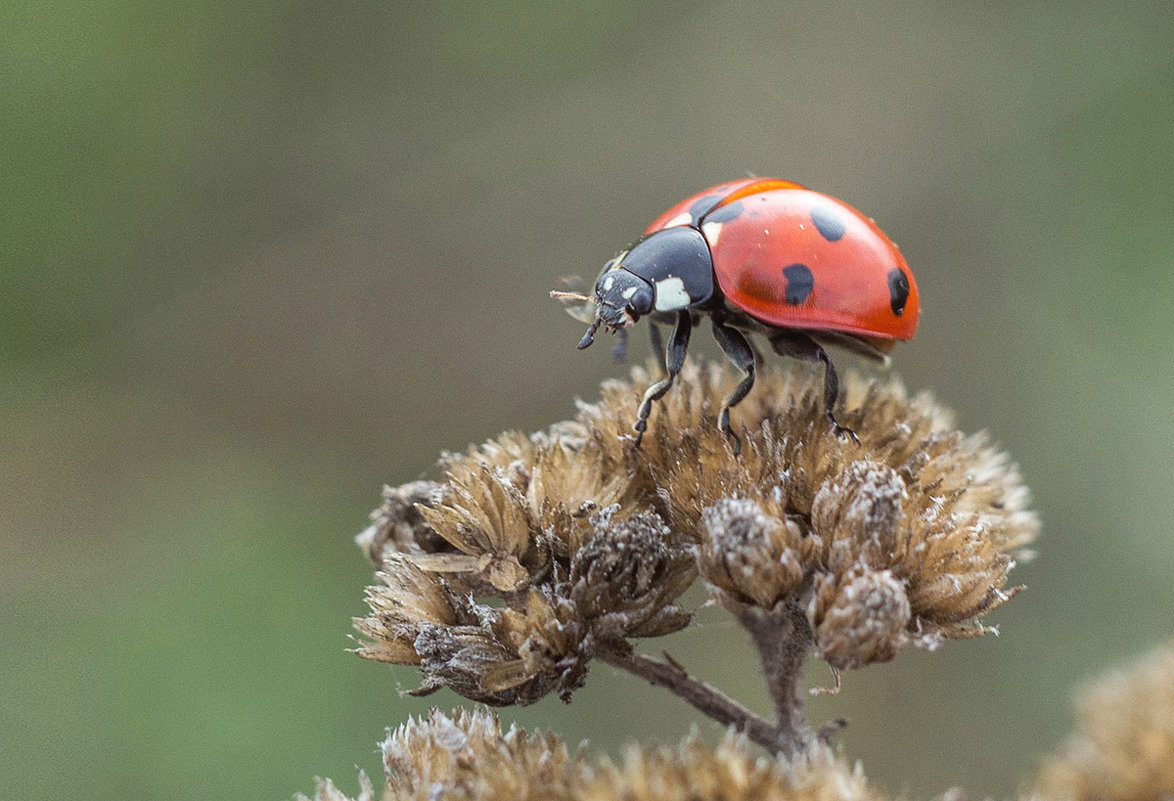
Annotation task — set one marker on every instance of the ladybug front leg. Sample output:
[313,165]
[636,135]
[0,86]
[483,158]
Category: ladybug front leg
[739,351]
[804,348]
[674,361]
[620,352]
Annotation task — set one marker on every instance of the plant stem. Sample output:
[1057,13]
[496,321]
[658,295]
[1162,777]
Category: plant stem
[783,638]
[709,700]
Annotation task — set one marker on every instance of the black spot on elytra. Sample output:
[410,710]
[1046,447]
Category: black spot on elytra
[829,223]
[898,290]
[725,213]
[800,282]
[702,206]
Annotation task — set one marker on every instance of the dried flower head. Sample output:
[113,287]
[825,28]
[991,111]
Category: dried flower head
[751,556]
[623,582]
[858,617]
[944,514]
[397,525]
[1124,747]
[543,552]
[469,758]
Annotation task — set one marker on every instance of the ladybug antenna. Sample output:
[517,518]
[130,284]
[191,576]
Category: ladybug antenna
[589,337]
[557,295]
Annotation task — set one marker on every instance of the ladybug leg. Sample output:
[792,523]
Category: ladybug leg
[739,351]
[804,348]
[620,351]
[674,361]
[657,345]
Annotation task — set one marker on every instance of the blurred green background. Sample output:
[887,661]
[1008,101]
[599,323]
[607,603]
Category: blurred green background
[260,258]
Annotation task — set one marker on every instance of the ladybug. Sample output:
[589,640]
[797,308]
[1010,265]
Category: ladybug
[757,256]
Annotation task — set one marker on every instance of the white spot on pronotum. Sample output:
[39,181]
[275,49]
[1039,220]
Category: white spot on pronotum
[629,292]
[712,231]
[671,294]
[609,282]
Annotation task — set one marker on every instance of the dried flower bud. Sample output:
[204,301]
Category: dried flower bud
[397,524]
[484,516]
[750,556]
[407,600]
[471,648]
[568,484]
[726,773]
[858,617]
[326,791]
[625,578]
[461,658]
[1123,749]
[859,512]
[549,640]
[467,757]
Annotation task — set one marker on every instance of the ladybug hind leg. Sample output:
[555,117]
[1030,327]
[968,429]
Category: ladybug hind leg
[802,347]
[674,360]
[739,351]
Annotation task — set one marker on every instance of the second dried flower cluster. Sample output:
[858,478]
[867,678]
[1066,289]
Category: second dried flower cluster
[535,554]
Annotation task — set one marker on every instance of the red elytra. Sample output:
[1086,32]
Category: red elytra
[774,228]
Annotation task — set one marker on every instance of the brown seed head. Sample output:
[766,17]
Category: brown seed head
[625,579]
[1123,749]
[467,757]
[905,537]
[751,557]
[858,617]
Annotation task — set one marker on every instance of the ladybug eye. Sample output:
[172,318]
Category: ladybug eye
[640,299]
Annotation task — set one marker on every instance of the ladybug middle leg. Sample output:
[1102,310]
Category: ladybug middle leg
[739,351]
[802,347]
[674,361]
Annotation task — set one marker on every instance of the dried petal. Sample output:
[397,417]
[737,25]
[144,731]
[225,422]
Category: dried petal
[569,483]
[326,791]
[484,514]
[406,600]
[550,642]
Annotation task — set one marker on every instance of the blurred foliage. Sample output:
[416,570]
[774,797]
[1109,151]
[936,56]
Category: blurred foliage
[257,259]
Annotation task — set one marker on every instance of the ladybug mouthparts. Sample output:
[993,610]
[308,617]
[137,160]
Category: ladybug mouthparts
[622,297]
[610,317]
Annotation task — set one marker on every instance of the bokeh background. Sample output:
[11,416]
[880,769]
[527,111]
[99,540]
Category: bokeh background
[260,258]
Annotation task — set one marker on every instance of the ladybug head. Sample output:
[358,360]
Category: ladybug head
[621,299]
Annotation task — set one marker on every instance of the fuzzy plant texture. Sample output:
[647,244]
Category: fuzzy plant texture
[1123,751]
[534,555]
[467,757]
